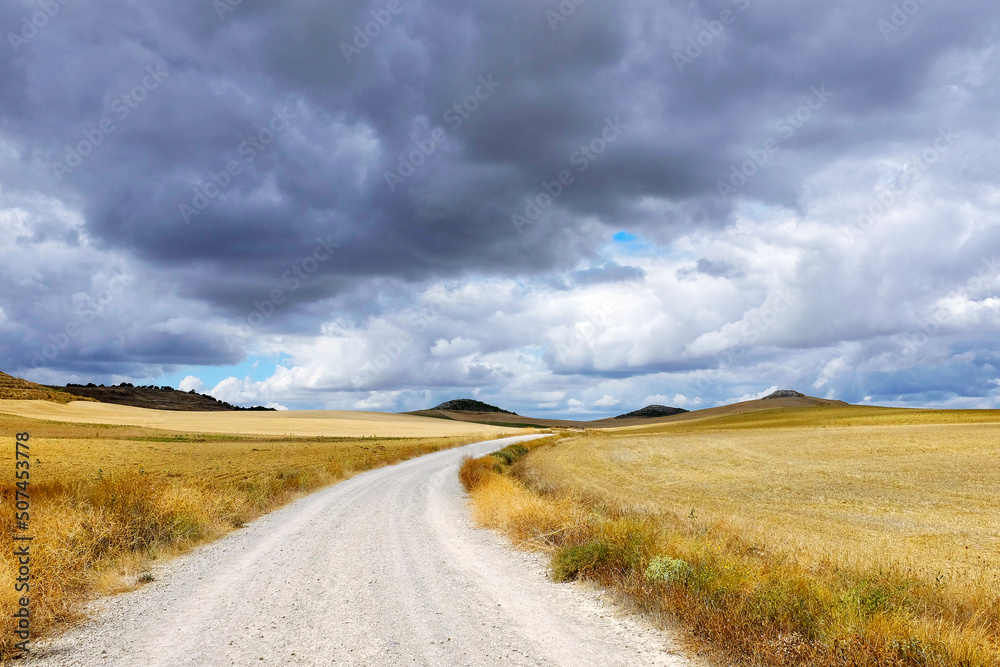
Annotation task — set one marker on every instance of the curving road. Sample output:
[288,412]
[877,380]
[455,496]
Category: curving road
[383,569]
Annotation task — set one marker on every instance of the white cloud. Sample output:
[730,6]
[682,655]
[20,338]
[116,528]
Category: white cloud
[191,383]
[806,305]
[800,313]
[753,397]
[456,347]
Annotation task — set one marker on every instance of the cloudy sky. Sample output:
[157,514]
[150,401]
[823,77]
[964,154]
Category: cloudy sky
[568,209]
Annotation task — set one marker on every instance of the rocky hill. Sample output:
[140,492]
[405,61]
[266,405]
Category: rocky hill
[654,411]
[470,405]
[13,388]
[784,393]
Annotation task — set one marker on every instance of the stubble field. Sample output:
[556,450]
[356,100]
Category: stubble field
[290,423]
[923,494]
[828,535]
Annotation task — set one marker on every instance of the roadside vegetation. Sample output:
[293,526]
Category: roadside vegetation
[812,536]
[109,501]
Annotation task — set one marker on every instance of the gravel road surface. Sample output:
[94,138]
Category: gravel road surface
[383,569]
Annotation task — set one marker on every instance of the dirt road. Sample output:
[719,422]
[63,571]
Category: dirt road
[383,569]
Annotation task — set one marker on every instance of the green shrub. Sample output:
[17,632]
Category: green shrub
[573,561]
[511,454]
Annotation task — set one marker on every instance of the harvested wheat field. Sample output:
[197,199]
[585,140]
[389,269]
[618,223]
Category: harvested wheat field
[810,536]
[858,484]
[108,499]
[292,423]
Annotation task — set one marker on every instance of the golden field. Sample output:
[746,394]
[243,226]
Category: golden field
[107,500]
[291,423]
[810,536]
[899,485]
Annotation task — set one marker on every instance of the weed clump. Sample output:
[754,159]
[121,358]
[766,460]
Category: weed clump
[511,454]
[667,570]
[578,560]
[474,472]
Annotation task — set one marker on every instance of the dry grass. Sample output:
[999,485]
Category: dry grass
[826,536]
[107,501]
[293,423]
[503,503]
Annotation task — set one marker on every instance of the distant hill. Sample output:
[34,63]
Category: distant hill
[469,405]
[16,389]
[784,393]
[155,398]
[639,418]
[654,411]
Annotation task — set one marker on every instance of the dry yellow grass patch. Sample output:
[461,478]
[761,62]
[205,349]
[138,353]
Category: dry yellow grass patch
[106,501]
[814,536]
[293,423]
[924,495]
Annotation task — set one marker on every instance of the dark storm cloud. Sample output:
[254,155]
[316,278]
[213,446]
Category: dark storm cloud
[222,146]
[353,120]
